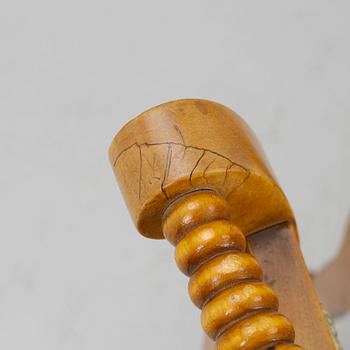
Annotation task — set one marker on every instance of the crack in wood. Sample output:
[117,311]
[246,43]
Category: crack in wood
[166,171]
[169,160]
[226,173]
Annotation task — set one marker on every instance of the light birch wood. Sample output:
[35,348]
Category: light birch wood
[183,149]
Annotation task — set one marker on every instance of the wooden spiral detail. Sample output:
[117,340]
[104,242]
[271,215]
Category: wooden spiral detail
[239,311]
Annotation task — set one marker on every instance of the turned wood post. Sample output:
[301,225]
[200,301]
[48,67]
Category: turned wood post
[192,172]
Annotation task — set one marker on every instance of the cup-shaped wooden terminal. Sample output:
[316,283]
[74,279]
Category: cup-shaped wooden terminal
[192,144]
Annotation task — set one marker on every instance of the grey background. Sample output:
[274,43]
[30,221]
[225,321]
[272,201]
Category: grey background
[74,274]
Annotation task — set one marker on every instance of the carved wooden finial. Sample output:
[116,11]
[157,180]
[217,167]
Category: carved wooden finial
[185,145]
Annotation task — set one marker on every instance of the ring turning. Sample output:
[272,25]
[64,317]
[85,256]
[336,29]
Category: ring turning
[239,310]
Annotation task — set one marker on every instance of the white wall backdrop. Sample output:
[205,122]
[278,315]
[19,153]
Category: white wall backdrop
[74,274]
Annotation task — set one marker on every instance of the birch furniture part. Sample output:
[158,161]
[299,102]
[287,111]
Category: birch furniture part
[192,172]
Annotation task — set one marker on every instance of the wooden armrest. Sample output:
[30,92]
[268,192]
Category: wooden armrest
[191,171]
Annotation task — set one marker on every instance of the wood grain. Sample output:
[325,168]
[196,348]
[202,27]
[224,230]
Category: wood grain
[239,311]
[277,250]
[193,172]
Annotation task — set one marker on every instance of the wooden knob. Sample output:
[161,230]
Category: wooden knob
[186,145]
[205,241]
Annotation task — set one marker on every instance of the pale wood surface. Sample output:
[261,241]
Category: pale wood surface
[336,274]
[284,269]
[182,147]
[191,144]
[239,310]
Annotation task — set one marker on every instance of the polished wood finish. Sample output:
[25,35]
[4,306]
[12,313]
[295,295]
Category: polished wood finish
[288,347]
[260,331]
[336,274]
[187,145]
[191,171]
[204,241]
[278,252]
[239,310]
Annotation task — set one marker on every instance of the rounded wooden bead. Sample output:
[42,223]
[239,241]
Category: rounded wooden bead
[206,241]
[259,331]
[234,303]
[222,271]
[193,210]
